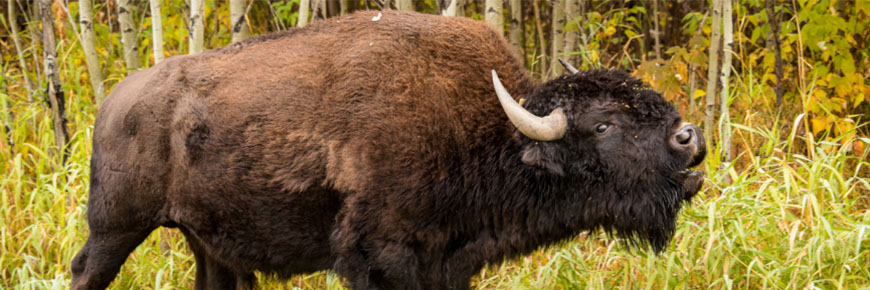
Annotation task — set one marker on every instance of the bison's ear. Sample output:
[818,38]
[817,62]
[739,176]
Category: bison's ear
[544,155]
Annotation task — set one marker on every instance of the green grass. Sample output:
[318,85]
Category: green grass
[789,214]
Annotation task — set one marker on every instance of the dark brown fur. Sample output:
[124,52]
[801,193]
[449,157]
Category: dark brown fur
[374,148]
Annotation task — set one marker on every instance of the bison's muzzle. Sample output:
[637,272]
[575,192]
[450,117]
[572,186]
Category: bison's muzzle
[688,139]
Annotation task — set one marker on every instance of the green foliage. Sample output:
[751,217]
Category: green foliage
[288,11]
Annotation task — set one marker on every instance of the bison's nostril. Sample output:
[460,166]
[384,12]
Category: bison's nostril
[684,136]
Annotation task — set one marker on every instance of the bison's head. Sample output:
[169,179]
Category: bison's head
[623,151]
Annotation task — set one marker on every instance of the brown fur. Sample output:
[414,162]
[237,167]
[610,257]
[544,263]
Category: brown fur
[375,148]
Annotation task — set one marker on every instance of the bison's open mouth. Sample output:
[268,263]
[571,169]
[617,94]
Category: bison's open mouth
[692,182]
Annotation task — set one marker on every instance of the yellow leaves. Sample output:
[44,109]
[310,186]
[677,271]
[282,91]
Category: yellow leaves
[700,93]
[821,123]
[856,101]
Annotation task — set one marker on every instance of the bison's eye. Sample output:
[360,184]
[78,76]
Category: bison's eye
[602,129]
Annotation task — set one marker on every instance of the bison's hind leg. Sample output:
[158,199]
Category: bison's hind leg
[123,209]
[211,274]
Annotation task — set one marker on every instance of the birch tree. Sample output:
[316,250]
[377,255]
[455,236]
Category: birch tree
[493,14]
[775,43]
[197,10]
[55,89]
[13,24]
[542,64]
[656,32]
[304,8]
[712,69]
[728,42]
[516,29]
[454,8]
[128,34]
[157,31]
[237,20]
[404,5]
[95,74]
[558,37]
[572,10]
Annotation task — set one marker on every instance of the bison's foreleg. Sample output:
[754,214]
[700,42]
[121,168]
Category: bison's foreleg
[211,274]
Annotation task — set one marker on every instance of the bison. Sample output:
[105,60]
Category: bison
[392,151]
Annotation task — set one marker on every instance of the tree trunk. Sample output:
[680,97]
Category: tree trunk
[157,31]
[342,7]
[541,38]
[13,24]
[493,15]
[558,37]
[656,33]
[727,43]
[405,5]
[387,5]
[516,32]
[197,11]
[237,20]
[320,12]
[8,118]
[94,72]
[304,9]
[454,8]
[128,34]
[55,90]
[712,70]
[33,25]
[572,11]
[773,22]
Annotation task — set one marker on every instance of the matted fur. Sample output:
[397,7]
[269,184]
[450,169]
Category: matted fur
[374,148]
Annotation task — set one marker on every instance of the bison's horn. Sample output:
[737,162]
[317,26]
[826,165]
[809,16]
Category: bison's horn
[570,68]
[549,128]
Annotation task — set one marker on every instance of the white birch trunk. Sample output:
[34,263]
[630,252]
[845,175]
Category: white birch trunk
[237,20]
[516,29]
[156,30]
[572,10]
[55,89]
[493,14]
[712,70]
[455,8]
[558,37]
[94,72]
[405,5]
[13,23]
[197,10]
[304,10]
[727,42]
[128,34]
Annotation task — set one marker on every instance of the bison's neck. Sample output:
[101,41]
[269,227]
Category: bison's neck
[518,207]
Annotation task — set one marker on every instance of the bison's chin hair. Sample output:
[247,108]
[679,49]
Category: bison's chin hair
[645,218]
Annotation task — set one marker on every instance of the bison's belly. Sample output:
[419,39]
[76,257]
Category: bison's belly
[270,231]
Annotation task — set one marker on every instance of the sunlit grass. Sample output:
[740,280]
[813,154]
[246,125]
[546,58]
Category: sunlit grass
[789,213]
[775,218]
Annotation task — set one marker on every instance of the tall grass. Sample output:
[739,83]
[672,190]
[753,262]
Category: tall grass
[790,213]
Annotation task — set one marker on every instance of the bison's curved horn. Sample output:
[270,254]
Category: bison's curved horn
[549,128]
[570,68]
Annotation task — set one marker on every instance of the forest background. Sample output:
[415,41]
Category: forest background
[782,89]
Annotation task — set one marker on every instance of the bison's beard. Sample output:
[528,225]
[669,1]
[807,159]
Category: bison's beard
[646,213]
